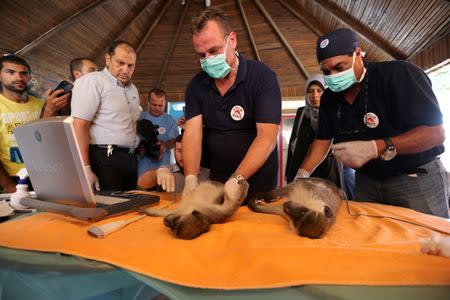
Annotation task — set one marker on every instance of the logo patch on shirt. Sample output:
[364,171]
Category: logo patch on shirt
[324,43]
[161,130]
[237,113]
[371,120]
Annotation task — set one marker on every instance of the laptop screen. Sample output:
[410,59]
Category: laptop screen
[53,160]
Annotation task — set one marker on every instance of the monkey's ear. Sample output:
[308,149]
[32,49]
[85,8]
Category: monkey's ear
[327,211]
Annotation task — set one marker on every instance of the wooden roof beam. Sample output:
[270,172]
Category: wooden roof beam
[64,24]
[153,26]
[305,20]
[173,44]
[283,39]
[249,31]
[429,41]
[363,31]
[99,53]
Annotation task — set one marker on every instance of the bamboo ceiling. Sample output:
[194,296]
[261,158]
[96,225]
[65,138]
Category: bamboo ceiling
[280,33]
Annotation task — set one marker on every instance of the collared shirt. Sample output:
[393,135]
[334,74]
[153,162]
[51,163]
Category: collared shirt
[112,108]
[230,120]
[399,94]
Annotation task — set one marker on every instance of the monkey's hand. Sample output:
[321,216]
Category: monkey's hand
[190,183]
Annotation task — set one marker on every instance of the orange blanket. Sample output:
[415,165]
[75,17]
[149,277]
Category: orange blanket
[252,250]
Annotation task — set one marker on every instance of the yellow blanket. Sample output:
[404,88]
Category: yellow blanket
[252,250]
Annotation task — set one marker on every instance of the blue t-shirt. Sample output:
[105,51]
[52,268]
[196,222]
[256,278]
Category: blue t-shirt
[397,96]
[168,130]
[230,120]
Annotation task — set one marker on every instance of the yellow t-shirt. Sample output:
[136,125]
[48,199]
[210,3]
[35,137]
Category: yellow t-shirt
[13,114]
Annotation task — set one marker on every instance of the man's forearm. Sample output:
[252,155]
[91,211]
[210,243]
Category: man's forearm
[316,154]
[192,146]
[148,179]
[416,140]
[81,128]
[192,154]
[260,149]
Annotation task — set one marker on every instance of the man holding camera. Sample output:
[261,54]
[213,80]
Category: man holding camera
[105,107]
[18,107]
[167,132]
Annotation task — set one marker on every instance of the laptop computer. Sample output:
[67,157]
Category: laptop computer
[53,160]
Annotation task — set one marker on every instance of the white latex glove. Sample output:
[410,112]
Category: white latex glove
[165,179]
[233,190]
[190,183]
[92,178]
[355,154]
[302,173]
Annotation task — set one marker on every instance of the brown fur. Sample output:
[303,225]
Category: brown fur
[311,205]
[196,212]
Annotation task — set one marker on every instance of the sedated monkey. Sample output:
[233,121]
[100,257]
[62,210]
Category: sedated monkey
[205,205]
[311,205]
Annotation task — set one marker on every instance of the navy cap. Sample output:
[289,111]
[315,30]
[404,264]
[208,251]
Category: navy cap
[339,42]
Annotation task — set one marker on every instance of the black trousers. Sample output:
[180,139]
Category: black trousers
[116,171]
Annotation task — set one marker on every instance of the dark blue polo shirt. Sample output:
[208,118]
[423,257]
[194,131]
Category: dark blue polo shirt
[400,95]
[256,96]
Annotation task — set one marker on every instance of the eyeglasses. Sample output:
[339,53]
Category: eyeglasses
[203,59]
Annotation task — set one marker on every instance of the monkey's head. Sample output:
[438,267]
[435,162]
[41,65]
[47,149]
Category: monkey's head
[308,222]
[187,227]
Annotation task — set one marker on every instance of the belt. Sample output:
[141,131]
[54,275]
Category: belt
[111,148]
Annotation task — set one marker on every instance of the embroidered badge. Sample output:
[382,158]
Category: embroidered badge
[324,43]
[371,120]
[161,130]
[237,113]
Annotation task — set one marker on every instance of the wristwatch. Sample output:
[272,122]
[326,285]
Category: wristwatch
[238,177]
[390,151]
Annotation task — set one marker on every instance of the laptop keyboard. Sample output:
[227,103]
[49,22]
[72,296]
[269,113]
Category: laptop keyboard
[102,200]
[106,198]
[116,204]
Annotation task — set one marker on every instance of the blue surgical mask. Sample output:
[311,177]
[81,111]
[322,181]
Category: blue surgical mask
[343,80]
[217,66]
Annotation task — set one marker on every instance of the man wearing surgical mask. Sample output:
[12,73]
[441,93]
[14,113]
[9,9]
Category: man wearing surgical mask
[383,120]
[233,104]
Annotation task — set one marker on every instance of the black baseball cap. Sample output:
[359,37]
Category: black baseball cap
[339,42]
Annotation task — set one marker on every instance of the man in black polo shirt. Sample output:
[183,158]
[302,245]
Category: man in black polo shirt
[239,104]
[385,122]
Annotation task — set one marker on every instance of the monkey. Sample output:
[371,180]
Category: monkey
[207,204]
[311,205]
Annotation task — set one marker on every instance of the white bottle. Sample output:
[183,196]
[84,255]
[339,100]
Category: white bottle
[21,192]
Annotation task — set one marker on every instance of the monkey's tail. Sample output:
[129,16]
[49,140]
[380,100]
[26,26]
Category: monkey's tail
[258,205]
[156,212]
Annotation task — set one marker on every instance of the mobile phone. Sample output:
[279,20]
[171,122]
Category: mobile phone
[66,86]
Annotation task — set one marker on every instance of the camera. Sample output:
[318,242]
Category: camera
[149,132]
